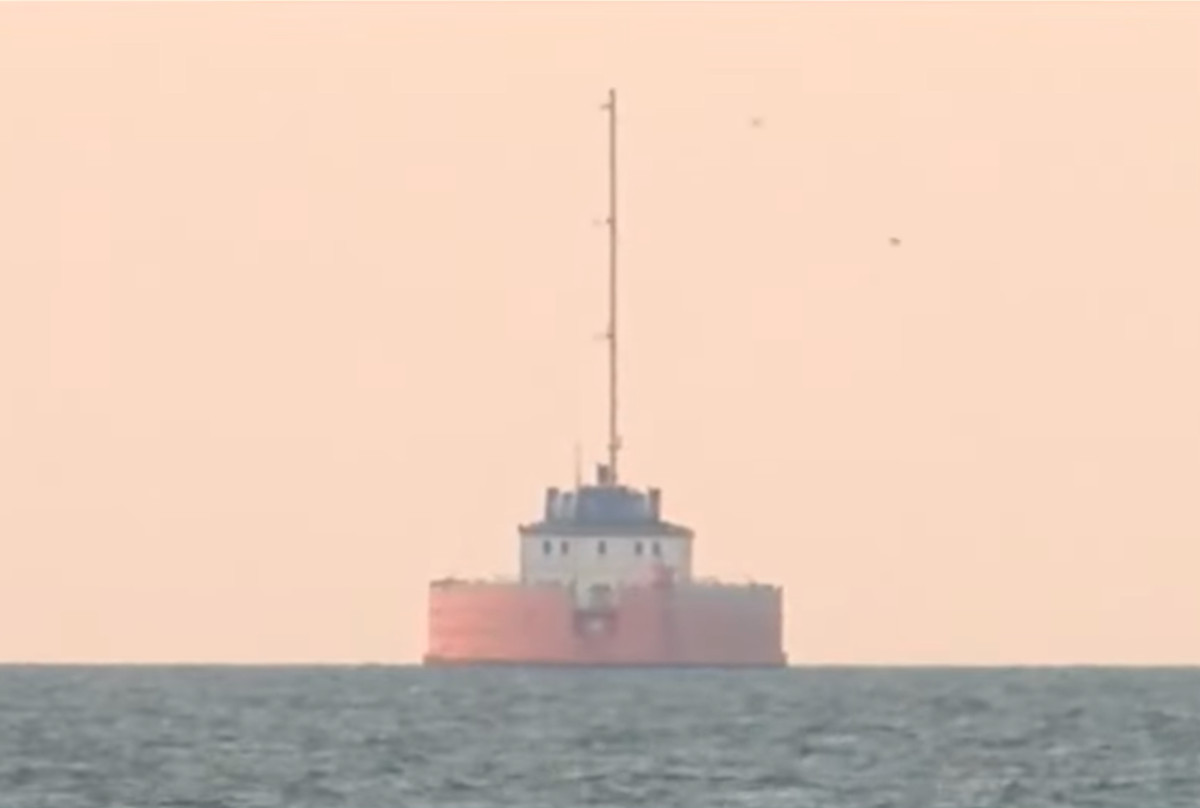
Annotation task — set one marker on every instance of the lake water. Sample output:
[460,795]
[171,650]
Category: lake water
[373,737]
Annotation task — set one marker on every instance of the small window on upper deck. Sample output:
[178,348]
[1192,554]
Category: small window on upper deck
[546,548]
[657,549]
[564,547]
[637,548]
[602,547]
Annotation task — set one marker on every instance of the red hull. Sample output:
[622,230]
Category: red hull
[694,625]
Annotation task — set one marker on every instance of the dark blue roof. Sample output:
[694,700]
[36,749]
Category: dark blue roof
[604,510]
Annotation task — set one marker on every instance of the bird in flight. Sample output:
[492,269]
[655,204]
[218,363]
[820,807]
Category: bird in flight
[756,122]
[895,242]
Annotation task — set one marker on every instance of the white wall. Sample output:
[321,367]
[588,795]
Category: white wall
[585,565]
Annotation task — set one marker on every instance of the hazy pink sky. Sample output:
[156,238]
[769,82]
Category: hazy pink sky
[298,307]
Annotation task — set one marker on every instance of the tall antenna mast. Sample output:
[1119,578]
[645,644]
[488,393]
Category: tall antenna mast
[614,439]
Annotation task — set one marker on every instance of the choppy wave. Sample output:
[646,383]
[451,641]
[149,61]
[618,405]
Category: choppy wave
[375,737]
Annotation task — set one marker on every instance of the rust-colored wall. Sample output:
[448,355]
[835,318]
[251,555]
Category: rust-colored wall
[684,625]
[498,622]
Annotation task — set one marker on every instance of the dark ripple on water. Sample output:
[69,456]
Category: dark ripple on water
[377,737]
